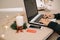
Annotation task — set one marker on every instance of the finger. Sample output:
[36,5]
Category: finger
[41,20]
[44,16]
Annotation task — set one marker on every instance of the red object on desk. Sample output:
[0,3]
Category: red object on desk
[31,30]
[19,29]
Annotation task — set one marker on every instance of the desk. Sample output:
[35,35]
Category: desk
[41,34]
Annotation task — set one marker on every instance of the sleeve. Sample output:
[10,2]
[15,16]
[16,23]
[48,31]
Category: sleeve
[57,16]
[55,26]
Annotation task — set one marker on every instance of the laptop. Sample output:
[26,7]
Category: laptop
[32,13]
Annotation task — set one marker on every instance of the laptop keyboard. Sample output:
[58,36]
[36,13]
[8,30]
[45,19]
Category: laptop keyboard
[38,19]
[36,23]
[35,26]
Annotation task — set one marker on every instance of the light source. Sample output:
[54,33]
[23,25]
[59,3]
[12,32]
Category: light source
[11,9]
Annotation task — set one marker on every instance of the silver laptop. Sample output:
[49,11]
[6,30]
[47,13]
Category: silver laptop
[32,12]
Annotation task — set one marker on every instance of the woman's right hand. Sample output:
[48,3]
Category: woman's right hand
[48,15]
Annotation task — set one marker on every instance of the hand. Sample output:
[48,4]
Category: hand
[48,15]
[45,21]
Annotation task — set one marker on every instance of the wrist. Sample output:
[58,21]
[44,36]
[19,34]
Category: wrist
[47,23]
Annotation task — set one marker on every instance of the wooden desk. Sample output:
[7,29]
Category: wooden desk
[41,34]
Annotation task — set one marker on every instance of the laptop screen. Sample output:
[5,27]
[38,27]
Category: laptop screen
[31,9]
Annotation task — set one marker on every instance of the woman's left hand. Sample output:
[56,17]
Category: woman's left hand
[45,21]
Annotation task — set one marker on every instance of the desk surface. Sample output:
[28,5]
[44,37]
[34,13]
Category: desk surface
[41,34]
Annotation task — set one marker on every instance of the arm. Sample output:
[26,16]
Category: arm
[51,16]
[57,16]
[55,26]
